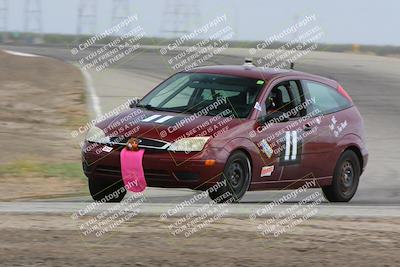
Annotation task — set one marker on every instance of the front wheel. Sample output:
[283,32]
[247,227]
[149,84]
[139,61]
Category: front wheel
[106,190]
[234,181]
[345,179]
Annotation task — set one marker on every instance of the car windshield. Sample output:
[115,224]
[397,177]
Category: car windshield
[205,94]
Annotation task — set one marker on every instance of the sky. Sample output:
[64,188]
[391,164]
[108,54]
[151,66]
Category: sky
[361,22]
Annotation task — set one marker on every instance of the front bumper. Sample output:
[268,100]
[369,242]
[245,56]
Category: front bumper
[161,168]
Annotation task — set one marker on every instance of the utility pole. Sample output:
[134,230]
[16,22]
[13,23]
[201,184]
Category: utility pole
[33,16]
[3,15]
[33,21]
[3,20]
[120,11]
[180,17]
[87,16]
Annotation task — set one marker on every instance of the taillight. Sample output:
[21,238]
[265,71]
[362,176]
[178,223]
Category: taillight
[344,93]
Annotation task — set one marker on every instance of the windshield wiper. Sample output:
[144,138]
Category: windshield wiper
[150,107]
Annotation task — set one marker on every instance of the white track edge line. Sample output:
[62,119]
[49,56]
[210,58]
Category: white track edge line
[92,93]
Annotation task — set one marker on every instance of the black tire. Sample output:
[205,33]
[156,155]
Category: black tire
[345,178]
[107,190]
[236,176]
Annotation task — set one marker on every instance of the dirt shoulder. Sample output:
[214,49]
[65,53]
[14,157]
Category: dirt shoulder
[41,102]
[55,240]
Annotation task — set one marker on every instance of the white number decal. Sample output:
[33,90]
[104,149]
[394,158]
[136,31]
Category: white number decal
[290,146]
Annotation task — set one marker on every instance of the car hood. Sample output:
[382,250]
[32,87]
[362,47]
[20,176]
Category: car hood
[167,126]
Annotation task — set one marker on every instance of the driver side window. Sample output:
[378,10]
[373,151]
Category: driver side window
[285,99]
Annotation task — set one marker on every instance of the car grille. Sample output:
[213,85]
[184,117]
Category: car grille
[145,142]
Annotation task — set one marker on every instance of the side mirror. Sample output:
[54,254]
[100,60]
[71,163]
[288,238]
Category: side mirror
[133,103]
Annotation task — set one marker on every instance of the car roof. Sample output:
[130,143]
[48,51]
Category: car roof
[262,73]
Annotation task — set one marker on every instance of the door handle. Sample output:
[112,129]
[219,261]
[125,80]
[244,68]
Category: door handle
[307,127]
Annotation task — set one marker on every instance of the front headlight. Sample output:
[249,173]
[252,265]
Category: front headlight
[96,135]
[190,144]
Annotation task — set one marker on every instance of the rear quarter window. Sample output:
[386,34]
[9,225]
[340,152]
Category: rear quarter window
[327,99]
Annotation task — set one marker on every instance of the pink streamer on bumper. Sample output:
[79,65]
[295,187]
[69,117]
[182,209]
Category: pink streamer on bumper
[132,170]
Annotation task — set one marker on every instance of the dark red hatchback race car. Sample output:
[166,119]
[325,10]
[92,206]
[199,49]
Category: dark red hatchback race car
[239,127]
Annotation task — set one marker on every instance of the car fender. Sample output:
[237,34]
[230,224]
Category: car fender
[249,148]
[352,140]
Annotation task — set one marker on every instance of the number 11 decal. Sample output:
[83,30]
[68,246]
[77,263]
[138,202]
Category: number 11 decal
[291,153]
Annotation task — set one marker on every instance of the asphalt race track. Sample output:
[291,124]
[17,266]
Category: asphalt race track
[372,81]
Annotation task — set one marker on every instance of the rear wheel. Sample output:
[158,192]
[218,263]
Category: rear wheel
[107,190]
[345,179]
[235,179]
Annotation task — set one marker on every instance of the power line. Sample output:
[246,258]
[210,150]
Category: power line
[87,17]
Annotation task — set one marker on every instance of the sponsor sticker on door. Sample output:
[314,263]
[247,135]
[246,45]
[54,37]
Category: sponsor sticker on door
[267,171]
[266,148]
